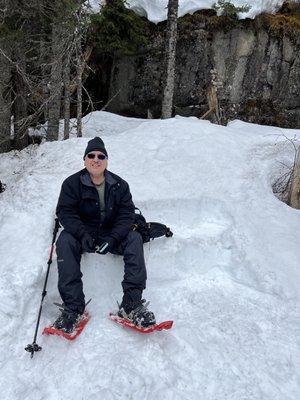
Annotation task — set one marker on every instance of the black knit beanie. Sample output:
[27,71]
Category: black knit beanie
[95,144]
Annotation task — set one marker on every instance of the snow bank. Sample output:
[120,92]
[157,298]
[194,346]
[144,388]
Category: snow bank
[156,10]
[229,277]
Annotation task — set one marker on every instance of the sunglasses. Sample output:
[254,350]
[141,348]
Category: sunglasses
[99,156]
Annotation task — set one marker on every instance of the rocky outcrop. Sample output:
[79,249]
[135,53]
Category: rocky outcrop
[257,61]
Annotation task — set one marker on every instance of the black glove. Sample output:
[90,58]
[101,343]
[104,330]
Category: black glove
[87,243]
[106,246]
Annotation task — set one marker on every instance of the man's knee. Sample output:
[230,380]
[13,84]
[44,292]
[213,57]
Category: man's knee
[66,240]
[135,238]
[68,251]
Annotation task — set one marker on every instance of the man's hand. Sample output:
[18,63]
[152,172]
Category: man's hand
[87,243]
[106,246]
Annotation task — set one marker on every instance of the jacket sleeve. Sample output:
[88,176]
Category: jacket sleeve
[67,210]
[124,215]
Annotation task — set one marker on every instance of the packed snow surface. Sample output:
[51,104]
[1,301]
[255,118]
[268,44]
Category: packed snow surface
[156,10]
[229,277]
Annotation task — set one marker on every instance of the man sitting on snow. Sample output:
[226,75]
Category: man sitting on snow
[96,210]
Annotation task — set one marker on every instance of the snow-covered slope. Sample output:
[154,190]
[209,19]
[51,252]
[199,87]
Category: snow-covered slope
[156,10]
[229,277]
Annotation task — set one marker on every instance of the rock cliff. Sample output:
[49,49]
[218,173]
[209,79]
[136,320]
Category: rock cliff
[257,62]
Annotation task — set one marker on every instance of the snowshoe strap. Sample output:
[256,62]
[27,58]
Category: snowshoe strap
[142,306]
[88,302]
[62,306]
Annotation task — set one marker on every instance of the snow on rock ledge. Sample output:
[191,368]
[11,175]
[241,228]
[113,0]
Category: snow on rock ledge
[156,10]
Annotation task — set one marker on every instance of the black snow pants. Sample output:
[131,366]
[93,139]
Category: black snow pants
[70,287]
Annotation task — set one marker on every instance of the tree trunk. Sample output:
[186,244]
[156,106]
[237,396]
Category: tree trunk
[21,139]
[67,96]
[295,185]
[5,96]
[79,72]
[171,40]
[44,61]
[79,96]
[55,84]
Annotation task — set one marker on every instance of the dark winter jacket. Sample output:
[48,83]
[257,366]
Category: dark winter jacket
[78,207]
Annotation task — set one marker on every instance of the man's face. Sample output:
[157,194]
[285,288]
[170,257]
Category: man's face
[94,164]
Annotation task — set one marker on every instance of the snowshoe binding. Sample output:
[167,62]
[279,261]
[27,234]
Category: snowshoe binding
[139,319]
[69,324]
[67,321]
[139,315]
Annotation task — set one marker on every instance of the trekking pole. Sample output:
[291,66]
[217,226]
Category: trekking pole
[31,348]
